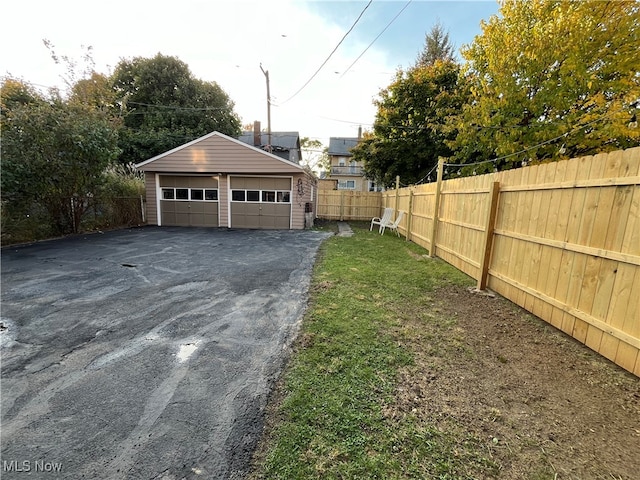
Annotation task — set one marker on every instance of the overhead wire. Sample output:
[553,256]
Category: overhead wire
[493,160]
[375,39]
[541,144]
[524,150]
[327,59]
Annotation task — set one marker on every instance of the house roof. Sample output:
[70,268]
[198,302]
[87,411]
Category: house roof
[283,144]
[287,140]
[342,145]
[218,153]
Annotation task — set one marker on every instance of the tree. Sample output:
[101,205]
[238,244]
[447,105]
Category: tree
[53,153]
[552,78]
[436,47]
[96,91]
[165,106]
[317,155]
[410,132]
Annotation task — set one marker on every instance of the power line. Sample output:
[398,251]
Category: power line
[175,107]
[524,150]
[374,40]
[541,144]
[330,55]
[344,121]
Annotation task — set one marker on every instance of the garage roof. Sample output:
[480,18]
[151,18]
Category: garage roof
[218,153]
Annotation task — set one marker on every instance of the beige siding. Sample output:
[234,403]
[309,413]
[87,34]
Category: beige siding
[218,154]
[150,188]
[223,199]
[300,196]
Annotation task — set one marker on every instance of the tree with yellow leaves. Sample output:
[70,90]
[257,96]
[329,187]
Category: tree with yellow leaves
[551,79]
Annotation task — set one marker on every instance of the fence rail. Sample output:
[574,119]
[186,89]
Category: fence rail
[562,240]
[348,205]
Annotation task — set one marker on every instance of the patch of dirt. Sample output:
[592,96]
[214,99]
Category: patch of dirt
[543,405]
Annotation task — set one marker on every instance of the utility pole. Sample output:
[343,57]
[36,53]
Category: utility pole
[266,74]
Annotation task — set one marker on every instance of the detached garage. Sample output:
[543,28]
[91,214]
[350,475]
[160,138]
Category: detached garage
[218,181]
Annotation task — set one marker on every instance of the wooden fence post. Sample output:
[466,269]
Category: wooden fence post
[436,209]
[342,205]
[487,242]
[397,193]
[407,237]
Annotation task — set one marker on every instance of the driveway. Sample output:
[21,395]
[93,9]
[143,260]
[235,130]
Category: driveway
[146,353]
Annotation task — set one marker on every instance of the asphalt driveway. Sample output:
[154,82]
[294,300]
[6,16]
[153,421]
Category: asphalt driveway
[145,353]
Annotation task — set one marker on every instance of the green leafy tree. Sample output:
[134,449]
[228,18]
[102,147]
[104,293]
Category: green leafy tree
[165,106]
[53,154]
[96,91]
[555,78]
[410,131]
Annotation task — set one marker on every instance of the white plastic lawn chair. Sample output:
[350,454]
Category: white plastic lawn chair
[396,222]
[383,221]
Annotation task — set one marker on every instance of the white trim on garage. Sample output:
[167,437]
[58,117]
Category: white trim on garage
[158,193]
[169,174]
[229,195]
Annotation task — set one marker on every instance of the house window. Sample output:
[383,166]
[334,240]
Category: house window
[373,187]
[193,194]
[261,196]
[341,161]
[346,184]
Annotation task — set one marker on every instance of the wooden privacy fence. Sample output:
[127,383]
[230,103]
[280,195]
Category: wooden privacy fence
[348,205]
[562,240]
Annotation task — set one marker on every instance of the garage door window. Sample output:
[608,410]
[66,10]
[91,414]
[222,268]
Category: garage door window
[211,195]
[261,196]
[168,193]
[182,194]
[193,194]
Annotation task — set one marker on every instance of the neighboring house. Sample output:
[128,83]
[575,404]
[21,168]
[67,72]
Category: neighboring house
[218,181]
[283,144]
[348,173]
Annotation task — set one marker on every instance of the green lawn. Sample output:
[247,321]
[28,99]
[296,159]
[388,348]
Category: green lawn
[340,382]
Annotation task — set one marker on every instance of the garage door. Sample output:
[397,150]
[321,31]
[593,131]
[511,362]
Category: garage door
[189,201]
[260,202]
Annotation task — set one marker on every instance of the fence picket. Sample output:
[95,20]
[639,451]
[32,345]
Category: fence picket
[566,242]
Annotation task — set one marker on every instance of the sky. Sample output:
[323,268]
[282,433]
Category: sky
[227,41]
